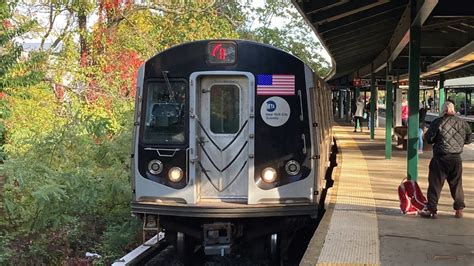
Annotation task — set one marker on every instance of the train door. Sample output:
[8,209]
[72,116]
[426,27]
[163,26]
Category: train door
[222,106]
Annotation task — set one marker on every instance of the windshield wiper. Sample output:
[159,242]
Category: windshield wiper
[168,85]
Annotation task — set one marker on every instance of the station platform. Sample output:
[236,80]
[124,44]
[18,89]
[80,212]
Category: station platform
[363,224]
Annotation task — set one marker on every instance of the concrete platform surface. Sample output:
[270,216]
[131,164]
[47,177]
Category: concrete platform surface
[363,224]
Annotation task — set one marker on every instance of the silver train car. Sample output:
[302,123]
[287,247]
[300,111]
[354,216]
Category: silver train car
[232,141]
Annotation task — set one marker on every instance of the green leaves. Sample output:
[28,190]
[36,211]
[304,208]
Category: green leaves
[49,193]
[291,34]
[67,118]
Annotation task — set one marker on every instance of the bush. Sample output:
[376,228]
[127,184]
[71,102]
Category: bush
[67,189]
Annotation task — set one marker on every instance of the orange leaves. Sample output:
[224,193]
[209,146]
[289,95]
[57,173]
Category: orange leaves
[59,92]
[123,65]
[6,24]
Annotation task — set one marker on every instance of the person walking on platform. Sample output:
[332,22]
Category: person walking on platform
[448,134]
[421,130]
[404,112]
[359,113]
[353,110]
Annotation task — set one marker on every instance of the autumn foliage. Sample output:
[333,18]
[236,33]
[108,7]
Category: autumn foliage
[67,114]
[68,132]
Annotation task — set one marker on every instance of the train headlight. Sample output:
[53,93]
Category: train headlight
[175,174]
[292,167]
[269,175]
[155,167]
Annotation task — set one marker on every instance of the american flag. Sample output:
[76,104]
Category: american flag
[275,84]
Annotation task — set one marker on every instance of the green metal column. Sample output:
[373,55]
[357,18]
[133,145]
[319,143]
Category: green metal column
[373,97]
[357,94]
[388,117]
[413,95]
[442,92]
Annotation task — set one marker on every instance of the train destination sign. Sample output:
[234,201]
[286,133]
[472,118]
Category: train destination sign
[221,53]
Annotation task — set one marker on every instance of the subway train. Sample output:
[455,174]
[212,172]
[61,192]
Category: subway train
[231,146]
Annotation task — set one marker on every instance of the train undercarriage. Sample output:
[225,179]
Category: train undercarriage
[263,238]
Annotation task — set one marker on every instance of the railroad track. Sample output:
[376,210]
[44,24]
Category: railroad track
[157,252]
[144,253]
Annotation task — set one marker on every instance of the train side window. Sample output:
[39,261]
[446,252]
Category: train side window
[165,121]
[225,106]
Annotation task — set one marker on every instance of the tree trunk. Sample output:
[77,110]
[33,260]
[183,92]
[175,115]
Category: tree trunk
[82,38]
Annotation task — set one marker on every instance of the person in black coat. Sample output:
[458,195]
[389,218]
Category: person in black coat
[448,134]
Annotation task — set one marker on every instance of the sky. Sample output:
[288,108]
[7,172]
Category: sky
[43,19]
[278,22]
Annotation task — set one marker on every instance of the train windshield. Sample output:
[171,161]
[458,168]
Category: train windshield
[165,113]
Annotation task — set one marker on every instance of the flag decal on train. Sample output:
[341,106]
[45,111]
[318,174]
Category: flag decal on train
[275,84]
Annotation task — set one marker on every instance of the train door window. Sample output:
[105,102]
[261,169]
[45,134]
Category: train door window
[224,106]
[165,112]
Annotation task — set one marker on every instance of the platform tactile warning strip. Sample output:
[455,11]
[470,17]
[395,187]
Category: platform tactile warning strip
[352,238]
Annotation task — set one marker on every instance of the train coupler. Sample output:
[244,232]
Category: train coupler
[151,226]
[217,238]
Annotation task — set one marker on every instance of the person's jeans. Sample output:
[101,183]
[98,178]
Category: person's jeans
[420,139]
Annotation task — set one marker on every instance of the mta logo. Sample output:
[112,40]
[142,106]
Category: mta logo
[271,106]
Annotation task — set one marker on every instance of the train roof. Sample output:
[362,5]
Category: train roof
[466,82]
[237,41]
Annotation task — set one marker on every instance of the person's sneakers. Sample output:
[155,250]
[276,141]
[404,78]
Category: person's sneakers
[425,213]
[458,213]
[420,151]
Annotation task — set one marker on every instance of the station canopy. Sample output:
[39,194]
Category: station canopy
[361,36]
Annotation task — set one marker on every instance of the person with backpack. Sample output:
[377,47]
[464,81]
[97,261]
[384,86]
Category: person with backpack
[359,113]
[448,134]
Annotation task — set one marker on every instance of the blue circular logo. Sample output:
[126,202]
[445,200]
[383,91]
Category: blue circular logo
[271,106]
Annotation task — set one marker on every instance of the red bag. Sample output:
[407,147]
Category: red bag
[411,198]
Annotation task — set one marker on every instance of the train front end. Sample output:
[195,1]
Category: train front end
[224,147]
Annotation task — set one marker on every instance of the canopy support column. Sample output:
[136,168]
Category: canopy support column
[356,96]
[373,97]
[442,92]
[413,95]
[341,103]
[398,103]
[388,115]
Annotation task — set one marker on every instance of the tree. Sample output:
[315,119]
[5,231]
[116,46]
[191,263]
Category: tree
[68,189]
[292,36]
[15,71]
[69,125]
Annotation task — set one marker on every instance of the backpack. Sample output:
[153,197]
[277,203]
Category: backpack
[411,198]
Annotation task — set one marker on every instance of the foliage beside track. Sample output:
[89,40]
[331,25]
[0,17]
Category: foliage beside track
[66,119]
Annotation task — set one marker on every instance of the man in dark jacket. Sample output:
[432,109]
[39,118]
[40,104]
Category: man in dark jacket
[448,134]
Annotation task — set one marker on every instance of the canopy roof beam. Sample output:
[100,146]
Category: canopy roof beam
[362,18]
[347,9]
[400,37]
[314,7]
[458,58]
[374,26]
